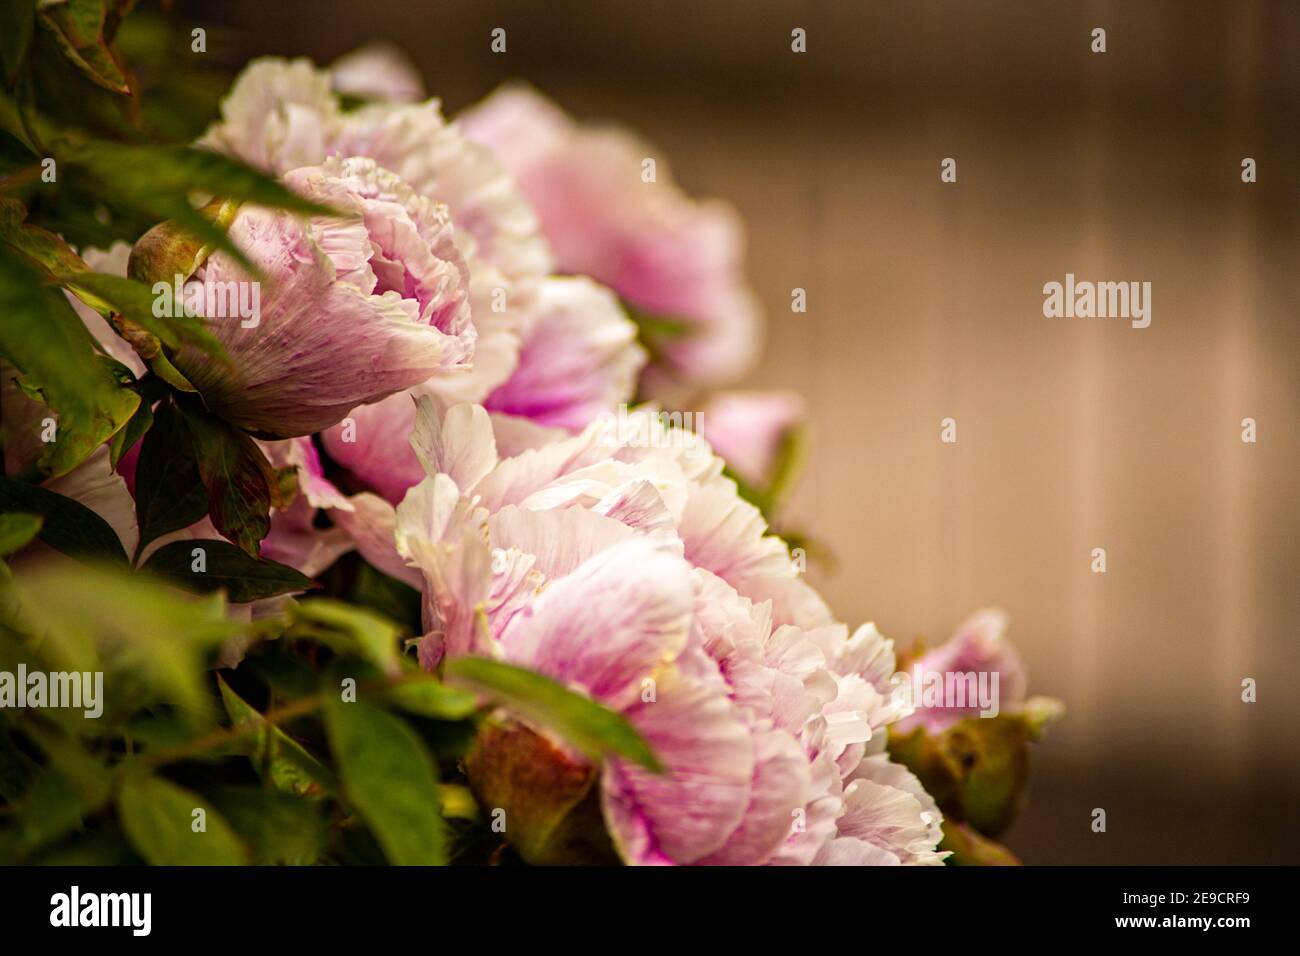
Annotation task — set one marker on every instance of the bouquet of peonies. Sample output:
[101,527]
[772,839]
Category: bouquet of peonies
[367,481]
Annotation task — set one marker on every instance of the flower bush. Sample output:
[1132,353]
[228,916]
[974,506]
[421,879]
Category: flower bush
[353,508]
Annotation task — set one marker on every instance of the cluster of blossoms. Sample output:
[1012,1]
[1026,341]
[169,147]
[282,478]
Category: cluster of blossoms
[454,340]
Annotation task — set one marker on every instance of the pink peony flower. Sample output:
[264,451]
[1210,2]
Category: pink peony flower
[673,258]
[353,310]
[556,348]
[634,574]
[264,118]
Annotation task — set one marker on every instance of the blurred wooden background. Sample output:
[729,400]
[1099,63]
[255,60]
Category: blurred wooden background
[925,303]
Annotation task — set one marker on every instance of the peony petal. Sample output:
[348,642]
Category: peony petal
[781,786]
[885,805]
[460,446]
[371,525]
[558,541]
[378,71]
[605,626]
[579,358]
[695,807]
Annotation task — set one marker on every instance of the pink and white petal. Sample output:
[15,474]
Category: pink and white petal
[692,809]
[638,505]
[516,582]
[728,536]
[446,537]
[579,358]
[793,600]
[748,428]
[321,346]
[515,435]
[815,828]
[414,251]
[979,646]
[725,620]
[647,434]
[279,114]
[299,544]
[517,123]
[867,653]
[301,455]
[559,541]
[885,804]
[650,242]
[515,479]
[458,443]
[606,481]
[438,161]
[372,443]
[849,720]
[850,851]
[371,525]
[112,261]
[781,787]
[605,626]
[496,353]
[379,71]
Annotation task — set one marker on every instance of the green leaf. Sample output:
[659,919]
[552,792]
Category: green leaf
[239,480]
[182,169]
[458,802]
[17,18]
[71,786]
[389,779]
[277,756]
[49,345]
[392,598]
[17,529]
[159,820]
[429,697]
[16,768]
[95,848]
[595,730]
[43,247]
[136,428]
[244,579]
[169,494]
[75,763]
[156,181]
[351,630]
[134,301]
[155,644]
[279,829]
[78,26]
[52,807]
[69,526]
[126,303]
